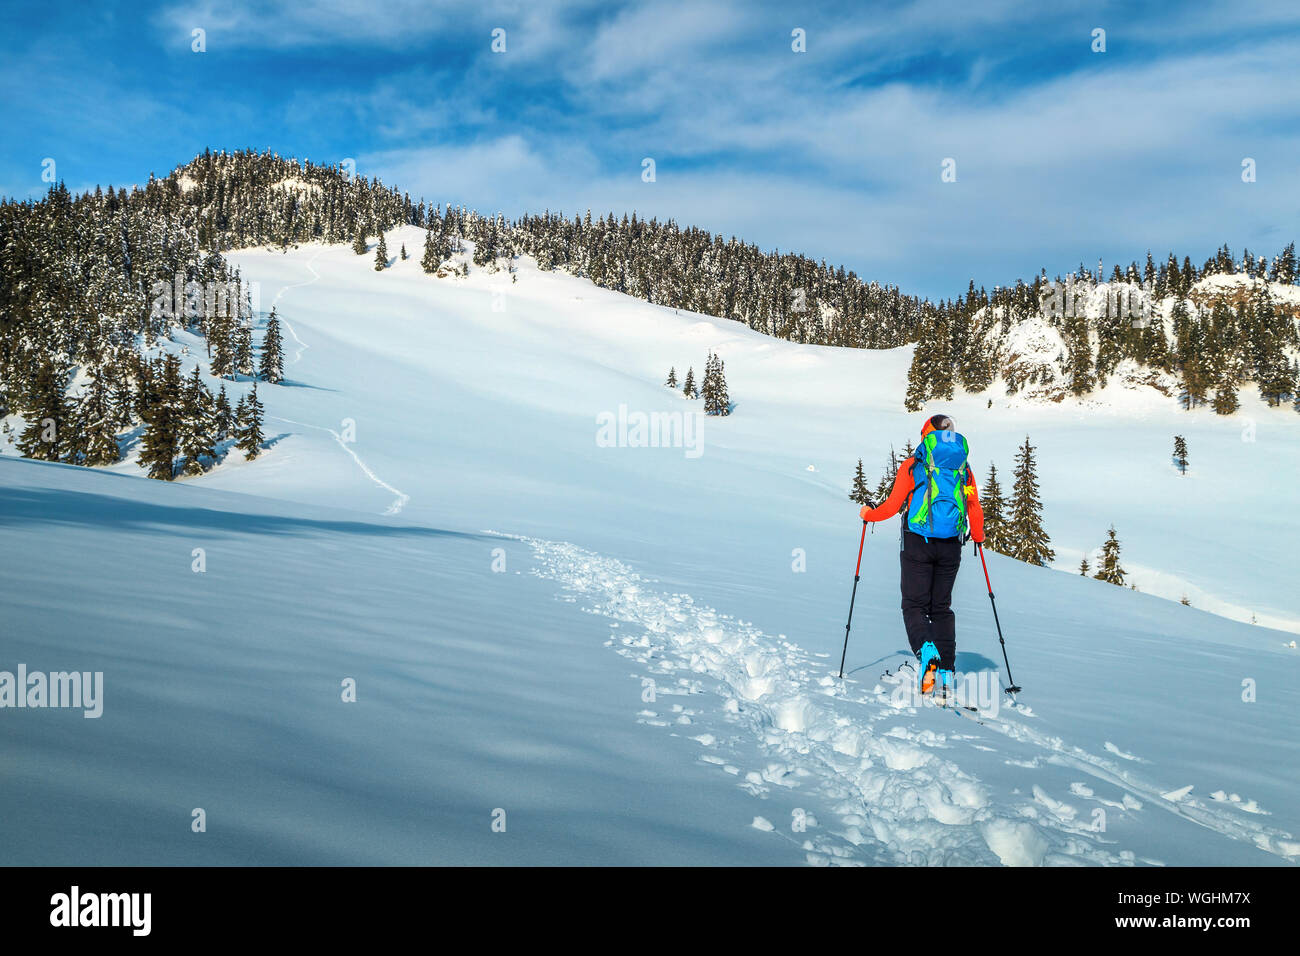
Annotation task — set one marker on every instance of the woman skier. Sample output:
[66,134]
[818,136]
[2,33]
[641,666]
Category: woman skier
[936,495]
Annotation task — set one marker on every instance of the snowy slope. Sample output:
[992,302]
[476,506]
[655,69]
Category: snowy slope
[474,405]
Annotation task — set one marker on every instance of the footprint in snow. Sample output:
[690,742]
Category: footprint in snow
[917,806]
[1119,753]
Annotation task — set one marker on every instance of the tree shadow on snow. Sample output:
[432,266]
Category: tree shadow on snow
[290,383]
[52,506]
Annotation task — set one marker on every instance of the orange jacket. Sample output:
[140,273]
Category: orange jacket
[903,486]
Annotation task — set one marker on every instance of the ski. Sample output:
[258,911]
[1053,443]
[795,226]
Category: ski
[961,710]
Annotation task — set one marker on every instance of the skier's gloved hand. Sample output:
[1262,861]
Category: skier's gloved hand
[869,507]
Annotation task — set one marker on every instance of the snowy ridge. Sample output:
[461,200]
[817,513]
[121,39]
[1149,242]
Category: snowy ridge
[890,770]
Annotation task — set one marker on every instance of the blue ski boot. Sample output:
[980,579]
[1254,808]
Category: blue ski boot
[947,686]
[929,665]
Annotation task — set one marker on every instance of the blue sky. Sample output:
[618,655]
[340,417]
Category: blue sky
[1062,154]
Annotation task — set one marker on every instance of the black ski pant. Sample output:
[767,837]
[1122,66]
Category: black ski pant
[929,570]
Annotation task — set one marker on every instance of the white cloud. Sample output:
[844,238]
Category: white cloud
[1117,156]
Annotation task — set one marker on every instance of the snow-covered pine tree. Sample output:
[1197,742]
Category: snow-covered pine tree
[272,351]
[223,416]
[672,378]
[714,391]
[859,492]
[485,250]
[1083,566]
[1026,539]
[196,433]
[48,414]
[918,382]
[243,355]
[403,253]
[1109,569]
[248,425]
[359,240]
[222,351]
[1223,363]
[430,260]
[381,254]
[688,388]
[939,354]
[1079,362]
[994,506]
[163,418]
[98,419]
[121,396]
[886,483]
[1180,453]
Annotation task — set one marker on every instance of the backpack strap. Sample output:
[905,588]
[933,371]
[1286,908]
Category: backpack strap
[907,505]
[932,486]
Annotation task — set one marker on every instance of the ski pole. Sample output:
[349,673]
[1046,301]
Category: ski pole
[857,573]
[1013,688]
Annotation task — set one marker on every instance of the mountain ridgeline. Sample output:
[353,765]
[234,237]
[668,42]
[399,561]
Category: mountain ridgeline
[92,284]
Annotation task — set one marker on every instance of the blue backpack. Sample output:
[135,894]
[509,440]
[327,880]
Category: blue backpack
[937,505]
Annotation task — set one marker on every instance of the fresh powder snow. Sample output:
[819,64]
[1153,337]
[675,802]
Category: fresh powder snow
[566,650]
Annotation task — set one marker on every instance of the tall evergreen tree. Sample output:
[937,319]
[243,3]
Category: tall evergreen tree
[164,421]
[1083,566]
[223,417]
[248,425]
[1079,361]
[98,426]
[244,356]
[672,378]
[918,381]
[886,483]
[220,340]
[1026,539]
[485,244]
[994,507]
[430,260]
[272,351]
[714,388]
[858,492]
[1180,453]
[48,414]
[197,438]
[688,387]
[1109,569]
[381,254]
[359,240]
[940,356]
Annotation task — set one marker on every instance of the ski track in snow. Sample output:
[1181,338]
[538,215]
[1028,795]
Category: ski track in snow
[399,498]
[302,346]
[899,799]
[311,266]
